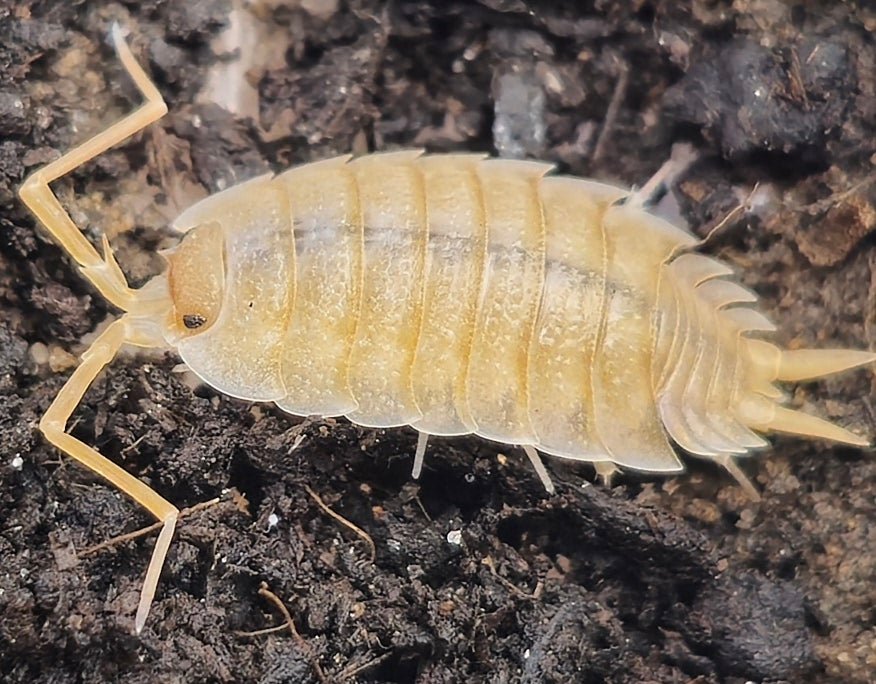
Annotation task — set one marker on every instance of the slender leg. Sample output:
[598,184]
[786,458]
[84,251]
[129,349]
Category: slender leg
[747,485]
[36,194]
[605,471]
[542,472]
[53,426]
[420,455]
[681,158]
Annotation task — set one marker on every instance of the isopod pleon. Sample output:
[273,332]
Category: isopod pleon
[452,293]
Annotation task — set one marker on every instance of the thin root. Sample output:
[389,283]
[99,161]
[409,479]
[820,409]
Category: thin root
[836,197]
[346,523]
[142,532]
[262,632]
[353,670]
[534,596]
[730,216]
[289,624]
[611,114]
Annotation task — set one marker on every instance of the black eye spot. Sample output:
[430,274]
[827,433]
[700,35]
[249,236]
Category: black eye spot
[192,321]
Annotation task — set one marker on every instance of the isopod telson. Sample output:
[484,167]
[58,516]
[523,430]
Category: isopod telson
[451,293]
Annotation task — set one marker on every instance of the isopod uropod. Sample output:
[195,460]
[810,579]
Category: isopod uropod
[452,293]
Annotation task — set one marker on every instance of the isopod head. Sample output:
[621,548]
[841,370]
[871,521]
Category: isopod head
[196,279]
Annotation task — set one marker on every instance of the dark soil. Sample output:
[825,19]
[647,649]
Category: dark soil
[479,576]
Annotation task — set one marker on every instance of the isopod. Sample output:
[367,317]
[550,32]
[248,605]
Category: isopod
[452,293]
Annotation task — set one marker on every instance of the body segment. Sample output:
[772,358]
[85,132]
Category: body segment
[322,323]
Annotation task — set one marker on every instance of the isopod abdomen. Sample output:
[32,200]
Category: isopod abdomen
[452,293]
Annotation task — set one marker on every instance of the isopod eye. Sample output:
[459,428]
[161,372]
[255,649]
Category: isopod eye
[192,321]
[196,276]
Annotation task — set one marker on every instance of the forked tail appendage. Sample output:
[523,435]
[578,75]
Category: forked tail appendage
[769,363]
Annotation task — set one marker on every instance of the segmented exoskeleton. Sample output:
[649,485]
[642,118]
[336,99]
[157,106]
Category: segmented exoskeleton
[459,295]
[451,293]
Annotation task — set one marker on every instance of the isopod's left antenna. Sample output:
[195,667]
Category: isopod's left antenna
[104,273]
[53,425]
[107,277]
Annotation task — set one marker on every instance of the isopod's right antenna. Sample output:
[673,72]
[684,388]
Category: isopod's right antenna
[104,273]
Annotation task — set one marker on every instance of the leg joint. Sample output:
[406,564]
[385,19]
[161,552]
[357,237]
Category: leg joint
[50,426]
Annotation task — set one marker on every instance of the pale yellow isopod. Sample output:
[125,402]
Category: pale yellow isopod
[451,293]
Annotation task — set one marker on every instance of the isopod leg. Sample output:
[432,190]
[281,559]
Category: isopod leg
[420,455]
[53,425]
[747,485]
[605,471]
[680,160]
[36,194]
[538,464]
